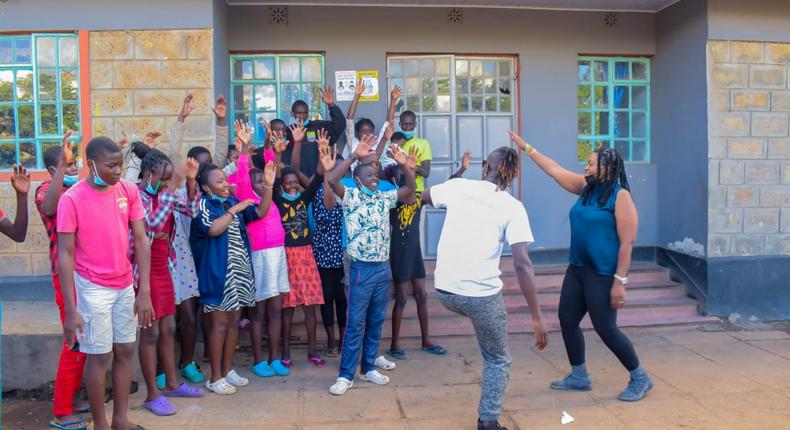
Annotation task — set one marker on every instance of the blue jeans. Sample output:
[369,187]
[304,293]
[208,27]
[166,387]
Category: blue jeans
[369,285]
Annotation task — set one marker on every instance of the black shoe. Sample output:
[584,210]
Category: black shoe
[491,425]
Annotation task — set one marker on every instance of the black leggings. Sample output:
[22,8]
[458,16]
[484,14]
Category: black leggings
[584,291]
[334,297]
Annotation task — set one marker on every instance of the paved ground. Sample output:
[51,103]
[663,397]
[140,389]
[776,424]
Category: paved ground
[704,380]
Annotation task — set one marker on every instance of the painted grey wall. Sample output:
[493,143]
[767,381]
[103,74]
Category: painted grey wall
[680,127]
[763,20]
[221,57]
[547,43]
[31,15]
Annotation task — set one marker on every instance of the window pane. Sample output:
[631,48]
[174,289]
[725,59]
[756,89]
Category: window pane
[412,67]
[71,117]
[443,67]
[69,85]
[584,124]
[242,97]
[396,68]
[428,85]
[443,85]
[412,86]
[443,103]
[477,104]
[461,68]
[47,84]
[68,51]
[264,68]
[621,127]
[428,103]
[242,69]
[24,85]
[413,103]
[639,97]
[462,85]
[265,97]
[490,86]
[621,70]
[505,104]
[25,121]
[289,93]
[601,120]
[491,104]
[6,51]
[462,103]
[289,69]
[7,125]
[6,86]
[427,67]
[583,150]
[396,83]
[476,68]
[45,51]
[583,70]
[27,154]
[504,86]
[311,94]
[601,96]
[639,71]
[621,97]
[243,116]
[23,54]
[311,69]
[583,96]
[489,68]
[622,147]
[638,124]
[7,155]
[476,86]
[504,68]
[600,71]
[49,119]
[639,151]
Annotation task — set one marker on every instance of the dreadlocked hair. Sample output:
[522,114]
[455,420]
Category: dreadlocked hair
[507,169]
[152,160]
[611,168]
[255,173]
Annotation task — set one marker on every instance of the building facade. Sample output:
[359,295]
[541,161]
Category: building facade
[694,94]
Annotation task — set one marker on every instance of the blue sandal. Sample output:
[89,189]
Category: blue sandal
[79,424]
[398,354]
[435,349]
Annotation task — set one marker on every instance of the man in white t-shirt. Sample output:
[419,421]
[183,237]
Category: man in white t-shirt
[481,216]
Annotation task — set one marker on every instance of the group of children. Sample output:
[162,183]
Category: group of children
[143,242]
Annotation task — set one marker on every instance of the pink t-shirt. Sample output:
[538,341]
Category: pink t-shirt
[100,221]
[266,232]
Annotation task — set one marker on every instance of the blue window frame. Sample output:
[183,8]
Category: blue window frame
[614,106]
[39,96]
[263,87]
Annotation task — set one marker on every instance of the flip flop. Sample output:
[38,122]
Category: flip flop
[435,349]
[160,406]
[185,390]
[287,362]
[79,424]
[317,361]
[398,354]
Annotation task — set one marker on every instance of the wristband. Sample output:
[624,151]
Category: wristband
[230,213]
[529,149]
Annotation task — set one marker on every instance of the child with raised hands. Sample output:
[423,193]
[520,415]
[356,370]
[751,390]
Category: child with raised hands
[366,211]
[222,253]
[159,183]
[269,265]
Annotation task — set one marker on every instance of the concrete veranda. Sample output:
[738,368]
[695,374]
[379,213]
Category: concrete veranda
[704,380]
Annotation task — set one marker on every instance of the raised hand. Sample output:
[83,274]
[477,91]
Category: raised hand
[322,138]
[240,206]
[191,167]
[328,96]
[179,172]
[328,158]
[522,144]
[268,127]
[20,179]
[388,131]
[467,160]
[186,107]
[398,155]
[365,147]
[396,93]
[298,132]
[220,108]
[243,135]
[269,174]
[360,88]
[278,141]
[67,155]
[150,139]
[412,158]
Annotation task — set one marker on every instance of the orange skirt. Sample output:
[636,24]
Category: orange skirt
[306,289]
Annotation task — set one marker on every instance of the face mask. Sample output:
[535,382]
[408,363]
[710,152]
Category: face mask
[409,135]
[153,190]
[96,178]
[365,190]
[215,197]
[70,180]
[307,121]
[291,197]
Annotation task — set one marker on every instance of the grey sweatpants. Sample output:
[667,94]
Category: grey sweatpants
[489,317]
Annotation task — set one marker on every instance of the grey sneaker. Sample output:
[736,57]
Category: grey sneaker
[637,389]
[491,426]
[572,382]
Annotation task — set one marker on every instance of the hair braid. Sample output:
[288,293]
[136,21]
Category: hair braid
[152,160]
[507,169]
[611,167]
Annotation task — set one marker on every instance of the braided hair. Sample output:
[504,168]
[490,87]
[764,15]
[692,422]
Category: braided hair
[154,159]
[611,168]
[507,169]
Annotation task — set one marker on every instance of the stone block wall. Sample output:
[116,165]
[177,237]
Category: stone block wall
[32,256]
[139,80]
[749,148]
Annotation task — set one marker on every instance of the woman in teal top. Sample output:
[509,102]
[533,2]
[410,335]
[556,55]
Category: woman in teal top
[603,229]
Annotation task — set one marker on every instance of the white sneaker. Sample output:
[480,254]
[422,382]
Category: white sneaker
[234,379]
[220,387]
[340,386]
[384,364]
[375,377]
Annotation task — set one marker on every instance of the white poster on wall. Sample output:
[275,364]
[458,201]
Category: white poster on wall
[345,82]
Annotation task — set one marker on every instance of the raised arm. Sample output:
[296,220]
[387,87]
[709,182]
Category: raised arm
[358,90]
[627,221]
[394,96]
[408,164]
[220,110]
[298,132]
[50,203]
[466,161]
[333,173]
[335,114]
[389,130]
[269,175]
[17,231]
[570,181]
[525,273]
